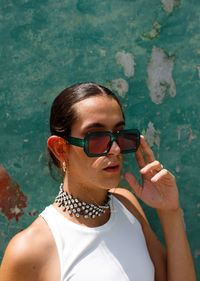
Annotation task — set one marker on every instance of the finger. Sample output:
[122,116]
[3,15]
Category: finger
[163,175]
[147,150]
[140,158]
[153,166]
[137,189]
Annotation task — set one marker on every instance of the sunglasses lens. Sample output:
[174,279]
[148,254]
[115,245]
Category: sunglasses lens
[128,142]
[99,144]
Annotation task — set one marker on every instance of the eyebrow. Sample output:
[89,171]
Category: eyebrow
[99,125]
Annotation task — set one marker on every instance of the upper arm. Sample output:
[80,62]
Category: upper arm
[31,255]
[155,248]
[20,261]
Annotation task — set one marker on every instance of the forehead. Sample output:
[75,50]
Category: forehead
[98,109]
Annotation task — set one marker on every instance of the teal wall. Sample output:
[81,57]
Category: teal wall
[148,52]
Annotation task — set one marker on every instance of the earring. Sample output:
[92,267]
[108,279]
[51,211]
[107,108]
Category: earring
[64,167]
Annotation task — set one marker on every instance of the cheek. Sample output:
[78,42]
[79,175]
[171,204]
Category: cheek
[79,161]
[96,162]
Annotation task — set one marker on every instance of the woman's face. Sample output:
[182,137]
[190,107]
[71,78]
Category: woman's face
[96,113]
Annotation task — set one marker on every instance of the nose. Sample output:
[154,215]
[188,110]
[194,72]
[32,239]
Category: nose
[115,149]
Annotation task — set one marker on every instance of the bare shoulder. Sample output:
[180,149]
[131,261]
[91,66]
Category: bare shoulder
[131,203]
[28,253]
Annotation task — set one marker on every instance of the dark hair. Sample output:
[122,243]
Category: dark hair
[63,115]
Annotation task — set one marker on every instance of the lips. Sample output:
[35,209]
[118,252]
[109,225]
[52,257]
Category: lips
[112,168]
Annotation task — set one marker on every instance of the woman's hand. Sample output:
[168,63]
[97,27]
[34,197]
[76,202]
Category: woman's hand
[159,189]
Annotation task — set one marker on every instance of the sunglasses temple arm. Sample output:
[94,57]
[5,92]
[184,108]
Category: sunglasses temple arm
[75,141]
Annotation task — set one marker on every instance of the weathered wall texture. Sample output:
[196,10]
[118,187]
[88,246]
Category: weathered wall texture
[148,52]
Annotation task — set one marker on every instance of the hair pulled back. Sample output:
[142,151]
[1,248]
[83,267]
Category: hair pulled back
[63,115]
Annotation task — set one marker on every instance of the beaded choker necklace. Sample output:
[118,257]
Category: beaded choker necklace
[78,208]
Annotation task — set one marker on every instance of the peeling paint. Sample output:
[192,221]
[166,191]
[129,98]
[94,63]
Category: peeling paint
[180,128]
[103,53]
[33,213]
[126,60]
[160,81]
[169,5]
[15,210]
[152,135]
[178,168]
[190,135]
[153,33]
[12,199]
[120,85]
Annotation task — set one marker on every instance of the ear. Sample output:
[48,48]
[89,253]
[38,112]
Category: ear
[59,147]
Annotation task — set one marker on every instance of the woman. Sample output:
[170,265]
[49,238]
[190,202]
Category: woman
[94,230]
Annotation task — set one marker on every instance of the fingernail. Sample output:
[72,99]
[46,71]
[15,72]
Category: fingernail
[142,170]
[154,179]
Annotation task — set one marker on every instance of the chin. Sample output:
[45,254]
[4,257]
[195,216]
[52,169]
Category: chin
[112,183]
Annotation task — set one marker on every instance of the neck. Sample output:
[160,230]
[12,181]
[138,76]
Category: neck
[84,193]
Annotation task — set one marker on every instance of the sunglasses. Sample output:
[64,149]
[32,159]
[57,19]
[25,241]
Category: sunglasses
[97,144]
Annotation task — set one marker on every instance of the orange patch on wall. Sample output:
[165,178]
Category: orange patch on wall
[12,199]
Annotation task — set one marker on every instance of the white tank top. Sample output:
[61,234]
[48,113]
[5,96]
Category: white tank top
[115,251]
